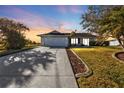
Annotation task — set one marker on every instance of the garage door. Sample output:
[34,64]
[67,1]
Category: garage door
[56,41]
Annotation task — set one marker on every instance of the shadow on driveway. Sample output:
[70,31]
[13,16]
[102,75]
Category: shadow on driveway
[19,68]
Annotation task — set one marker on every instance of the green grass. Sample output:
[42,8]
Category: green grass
[107,71]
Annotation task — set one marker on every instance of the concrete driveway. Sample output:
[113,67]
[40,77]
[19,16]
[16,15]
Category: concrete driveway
[39,67]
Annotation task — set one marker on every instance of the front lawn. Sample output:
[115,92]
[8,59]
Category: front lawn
[107,72]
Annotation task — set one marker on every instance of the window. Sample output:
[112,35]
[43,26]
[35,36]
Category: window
[74,41]
[86,41]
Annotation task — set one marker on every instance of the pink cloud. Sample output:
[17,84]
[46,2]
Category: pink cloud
[30,19]
[71,8]
[37,22]
[75,9]
[67,24]
[62,9]
[27,17]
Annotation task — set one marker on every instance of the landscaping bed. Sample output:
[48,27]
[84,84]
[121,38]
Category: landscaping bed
[120,56]
[77,65]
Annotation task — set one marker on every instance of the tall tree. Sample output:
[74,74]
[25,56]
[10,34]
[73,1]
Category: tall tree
[106,21]
[12,33]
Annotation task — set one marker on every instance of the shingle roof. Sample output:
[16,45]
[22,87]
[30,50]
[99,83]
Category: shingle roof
[83,35]
[55,32]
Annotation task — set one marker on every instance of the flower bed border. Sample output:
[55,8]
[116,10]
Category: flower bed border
[88,71]
[114,56]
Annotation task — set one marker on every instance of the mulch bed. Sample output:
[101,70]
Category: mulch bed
[120,55]
[77,65]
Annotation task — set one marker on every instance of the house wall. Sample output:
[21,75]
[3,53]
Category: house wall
[55,41]
[64,41]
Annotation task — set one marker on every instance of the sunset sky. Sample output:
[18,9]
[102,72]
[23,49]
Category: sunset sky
[43,18]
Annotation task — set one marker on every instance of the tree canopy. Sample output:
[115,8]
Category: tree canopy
[106,21]
[12,33]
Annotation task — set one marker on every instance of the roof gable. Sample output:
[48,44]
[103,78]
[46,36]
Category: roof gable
[54,32]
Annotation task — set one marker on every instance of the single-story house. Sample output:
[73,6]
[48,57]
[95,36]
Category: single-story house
[113,41]
[58,39]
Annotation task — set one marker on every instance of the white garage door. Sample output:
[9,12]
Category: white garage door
[56,41]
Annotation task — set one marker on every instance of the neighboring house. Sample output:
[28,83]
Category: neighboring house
[113,41]
[58,39]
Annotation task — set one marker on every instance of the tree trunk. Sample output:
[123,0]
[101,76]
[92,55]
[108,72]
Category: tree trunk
[120,42]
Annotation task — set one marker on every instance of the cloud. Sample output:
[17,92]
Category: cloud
[70,8]
[37,23]
[67,24]
[30,19]
[62,9]
[33,20]
[75,9]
